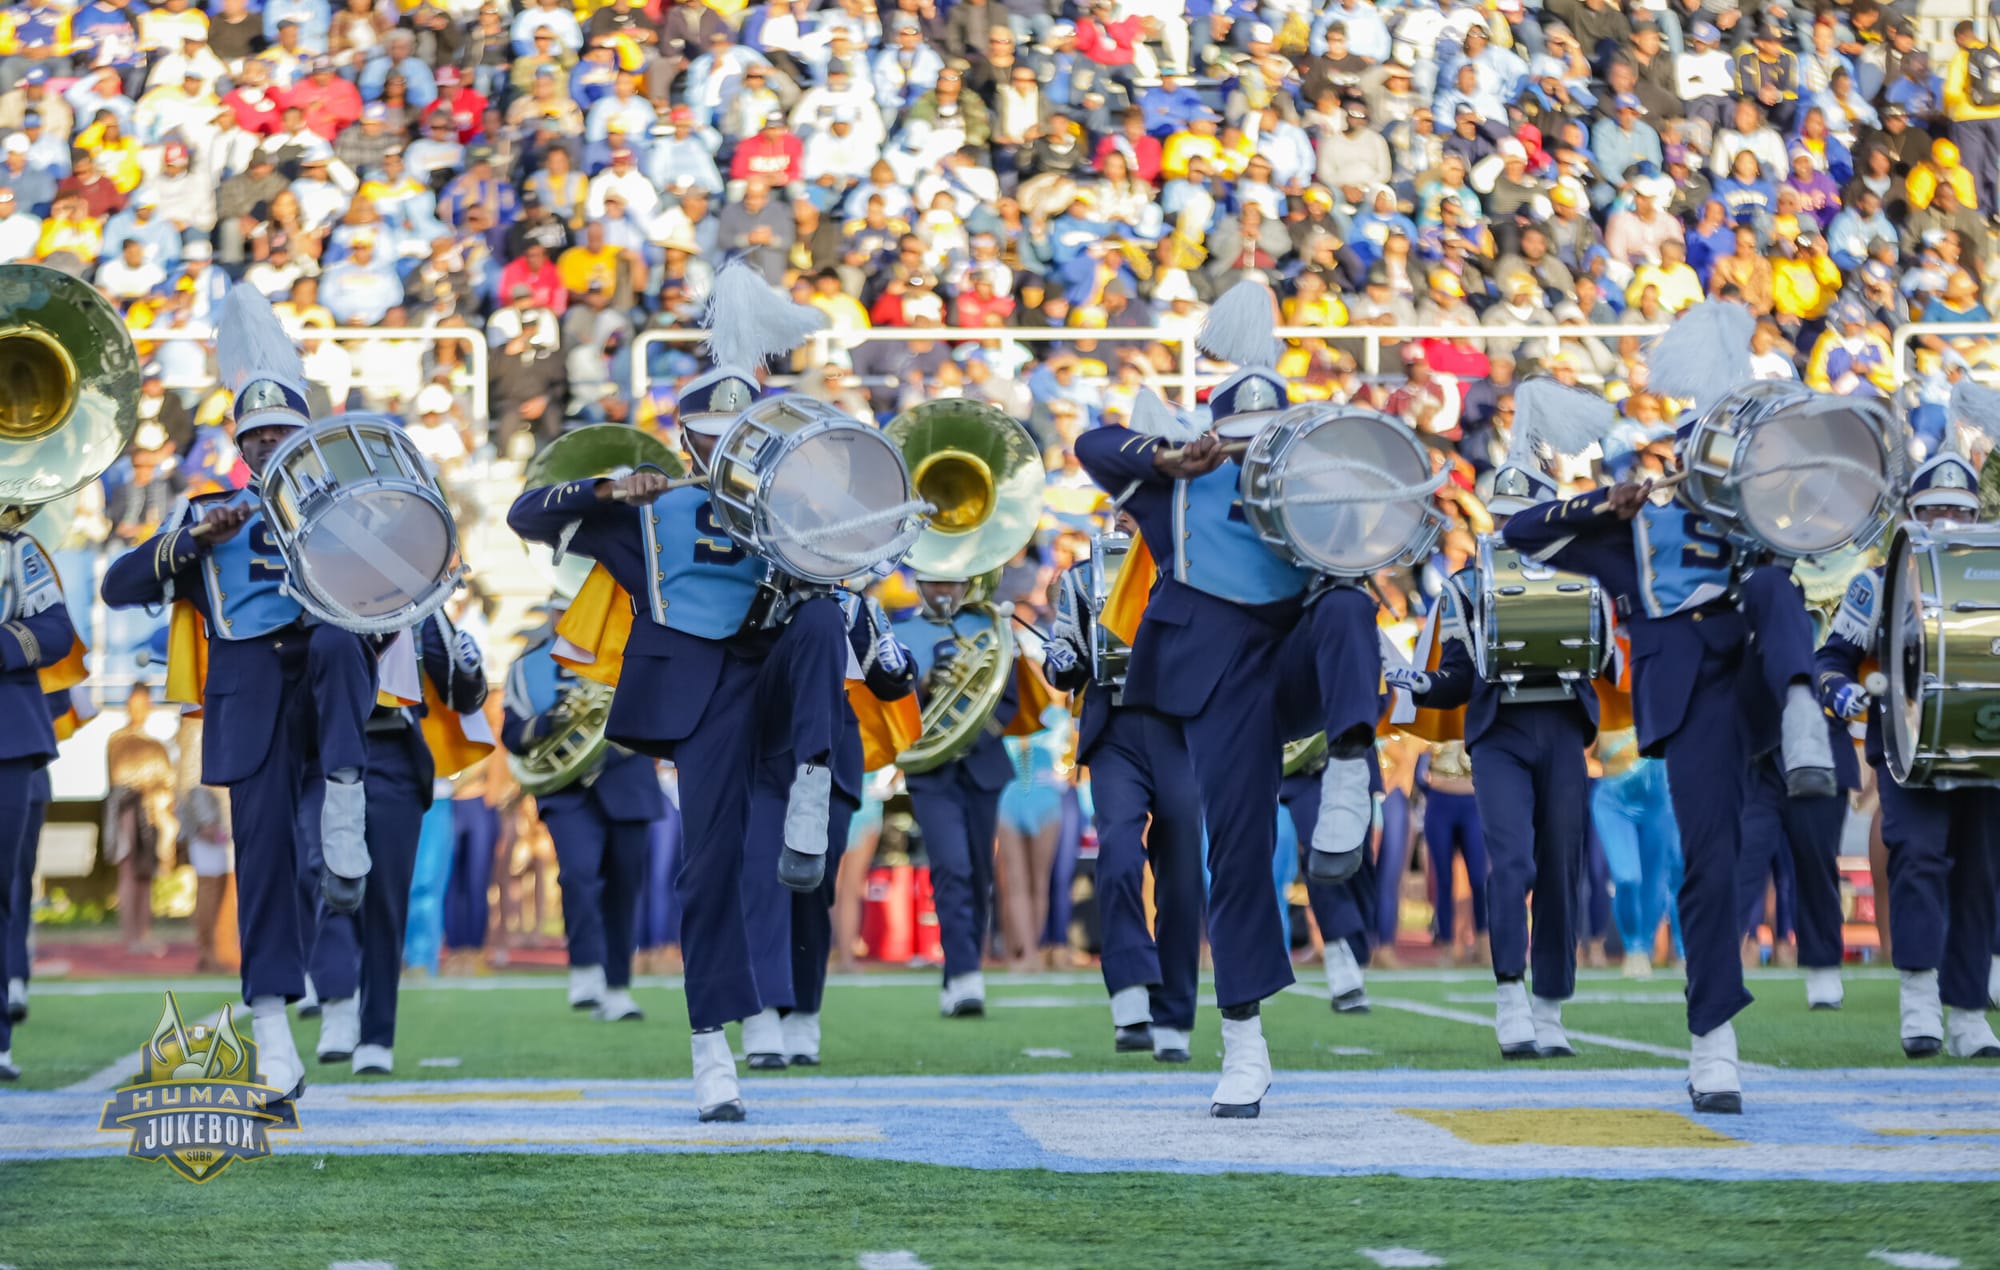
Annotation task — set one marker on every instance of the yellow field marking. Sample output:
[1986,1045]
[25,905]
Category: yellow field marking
[1572,1127]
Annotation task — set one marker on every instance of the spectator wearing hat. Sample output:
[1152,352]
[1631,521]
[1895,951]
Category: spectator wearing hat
[904,69]
[1620,143]
[31,96]
[34,189]
[328,103]
[1818,196]
[1850,359]
[20,230]
[550,15]
[1804,284]
[1850,234]
[641,199]
[158,238]
[174,106]
[312,18]
[1705,76]
[1943,166]
[1768,73]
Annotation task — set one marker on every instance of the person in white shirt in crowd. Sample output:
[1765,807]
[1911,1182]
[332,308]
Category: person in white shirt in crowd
[841,153]
[183,197]
[195,60]
[274,275]
[330,365]
[1747,130]
[435,429]
[841,95]
[174,106]
[1706,76]
[641,199]
[100,90]
[130,275]
[323,195]
[531,322]
[20,230]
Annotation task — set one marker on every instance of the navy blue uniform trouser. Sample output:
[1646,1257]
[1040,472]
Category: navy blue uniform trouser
[1533,790]
[1807,830]
[790,697]
[1451,826]
[325,697]
[16,777]
[601,864]
[14,957]
[958,820]
[363,952]
[1708,772]
[791,932]
[1941,900]
[475,833]
[1345,910]
[1139,770]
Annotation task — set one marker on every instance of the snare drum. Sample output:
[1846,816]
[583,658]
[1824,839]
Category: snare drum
[1341,490]
[1800,472]
[1941,610]
[821,497]
[368,540]
[1108,653]
[1534,626]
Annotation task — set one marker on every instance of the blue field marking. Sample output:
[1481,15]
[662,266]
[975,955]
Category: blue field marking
[1854,1125]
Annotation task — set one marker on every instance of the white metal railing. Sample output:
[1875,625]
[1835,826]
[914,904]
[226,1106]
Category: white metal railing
[1189,376]
[1906,335]
[479,357]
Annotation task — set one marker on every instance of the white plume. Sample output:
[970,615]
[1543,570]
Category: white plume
[1155,418]
[251,344]
[1976,407]
[750,321]
[1239,326]
[1704,355]
[1566,420]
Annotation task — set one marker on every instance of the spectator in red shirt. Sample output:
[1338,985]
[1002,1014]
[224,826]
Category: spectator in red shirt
[1142,152]
[534,270]
[256,107]
[982,300]
[773,156]
[1106,39]
[466,106]
[328,102]
[100,197]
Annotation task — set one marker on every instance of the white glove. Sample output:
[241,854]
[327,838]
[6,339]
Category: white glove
[887,653]
[1058,658]
[465,652]
[1850,701]
[1414,682]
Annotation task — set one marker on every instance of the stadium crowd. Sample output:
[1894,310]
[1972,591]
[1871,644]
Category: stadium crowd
[559,178]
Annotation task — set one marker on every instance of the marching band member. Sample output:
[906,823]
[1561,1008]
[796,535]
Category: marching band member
[957,804]
[600,825]
[1941,842]
[35,637]
[285,699]
[791,932]
[1208,655]
[1147,806]
[1704,693]
[1809,830]
[357,965]
[713,673]
[1527,744]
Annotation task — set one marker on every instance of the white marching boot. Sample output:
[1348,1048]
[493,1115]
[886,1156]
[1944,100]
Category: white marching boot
[716,1095]
[339,1029]
[1170,1045]
[764,1041]
[586,987]
[1346,810]
[1246,1070]
[1823,990]
[617,1006]
[1550,1039]
[277,1057]
[1969,1035]
[1714,1083]
[1132,1020]
[1345,986]
[7,1069]
[802,1039]
[1807,753]
[373,1060]
[963,996]
[1513,1020]
[1923,1014]
[802,864]
[309,1004]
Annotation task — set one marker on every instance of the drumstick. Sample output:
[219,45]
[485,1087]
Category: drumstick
[1172,454]
[1668,482]
[1877,684]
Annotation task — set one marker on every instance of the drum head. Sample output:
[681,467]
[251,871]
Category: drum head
[837,475]
[377,551]
[1817,475]
[1337,457]
[1908,656]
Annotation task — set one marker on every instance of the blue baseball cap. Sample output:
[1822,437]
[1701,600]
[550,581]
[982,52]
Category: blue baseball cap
[1876,271]
[1705,33]
[1627,101]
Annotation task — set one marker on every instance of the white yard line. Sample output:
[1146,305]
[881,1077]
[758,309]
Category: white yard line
[1400,1257]
[106,1078]
[1486,1021]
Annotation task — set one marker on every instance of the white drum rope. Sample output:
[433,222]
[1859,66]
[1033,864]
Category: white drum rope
[1391,493]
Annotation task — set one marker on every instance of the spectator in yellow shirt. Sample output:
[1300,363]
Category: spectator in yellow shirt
[117,155]
[1677,283]
[1972,103]
[592,260]
[70,228]
[1943,167]
[1197,139]
[1851,358]
[1803,284]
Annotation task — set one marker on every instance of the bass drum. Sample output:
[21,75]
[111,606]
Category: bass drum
[1535,626]
[1341,490]
[1941,609]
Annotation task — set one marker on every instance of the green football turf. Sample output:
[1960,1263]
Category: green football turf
[890,1027]
[813,1210]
